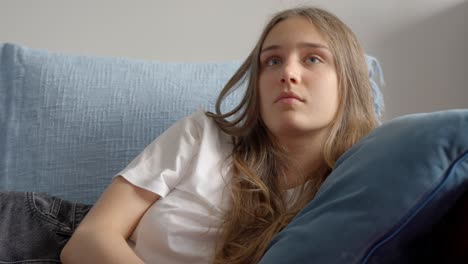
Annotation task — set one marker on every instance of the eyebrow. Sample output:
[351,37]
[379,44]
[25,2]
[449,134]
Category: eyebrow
[301,45]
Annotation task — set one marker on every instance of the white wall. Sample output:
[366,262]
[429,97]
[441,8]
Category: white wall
[421,44]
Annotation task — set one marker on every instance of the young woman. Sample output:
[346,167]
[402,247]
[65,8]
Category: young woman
[216,187]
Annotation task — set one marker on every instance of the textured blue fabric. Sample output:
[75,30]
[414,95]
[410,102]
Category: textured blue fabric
[387,191]
[68,123]
[376,80]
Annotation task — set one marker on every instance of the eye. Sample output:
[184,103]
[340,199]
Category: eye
[313,60]
[272,61]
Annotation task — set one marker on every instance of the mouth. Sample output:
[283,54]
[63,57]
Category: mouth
[288,98]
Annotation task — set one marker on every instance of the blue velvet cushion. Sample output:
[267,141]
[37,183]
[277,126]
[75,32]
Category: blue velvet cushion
[386,192]
[68,123]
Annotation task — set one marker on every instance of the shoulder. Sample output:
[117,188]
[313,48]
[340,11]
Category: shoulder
[206,126]
[201,119]
[209,136]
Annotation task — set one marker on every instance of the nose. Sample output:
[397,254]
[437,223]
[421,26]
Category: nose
[290,73]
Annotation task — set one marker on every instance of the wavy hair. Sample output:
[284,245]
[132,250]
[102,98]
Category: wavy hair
[258,210]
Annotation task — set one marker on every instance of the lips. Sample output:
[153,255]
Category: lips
[288,95]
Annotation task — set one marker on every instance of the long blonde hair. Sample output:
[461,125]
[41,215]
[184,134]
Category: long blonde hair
[258,210]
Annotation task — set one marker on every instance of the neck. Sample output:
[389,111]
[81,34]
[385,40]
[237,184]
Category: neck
[306,156]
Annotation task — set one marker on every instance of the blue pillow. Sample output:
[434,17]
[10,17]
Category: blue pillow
[386,192]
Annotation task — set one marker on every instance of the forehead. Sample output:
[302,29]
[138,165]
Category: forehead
[293,30]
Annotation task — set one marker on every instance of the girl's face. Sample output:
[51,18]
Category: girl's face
[298,84]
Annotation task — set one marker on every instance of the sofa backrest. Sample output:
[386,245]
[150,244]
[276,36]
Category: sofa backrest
[68,123]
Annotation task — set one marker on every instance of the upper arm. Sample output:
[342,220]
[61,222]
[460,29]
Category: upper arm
[120,208]
[122,204]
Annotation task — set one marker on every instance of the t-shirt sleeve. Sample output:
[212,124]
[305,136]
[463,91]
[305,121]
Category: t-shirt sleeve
[162,163]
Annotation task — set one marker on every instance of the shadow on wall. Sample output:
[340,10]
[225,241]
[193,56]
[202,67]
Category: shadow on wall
[425,64]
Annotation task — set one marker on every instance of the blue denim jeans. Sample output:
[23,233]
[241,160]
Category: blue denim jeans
[34,227]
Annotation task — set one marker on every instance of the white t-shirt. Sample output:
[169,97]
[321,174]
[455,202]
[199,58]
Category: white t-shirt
[187,167]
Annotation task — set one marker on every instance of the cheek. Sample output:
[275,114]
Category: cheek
[332,96]
[329,88]
[323,92]
[265,88]
[334,91]
[264,82]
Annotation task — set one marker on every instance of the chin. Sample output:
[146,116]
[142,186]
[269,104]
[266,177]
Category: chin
[290,128]
[292,123]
